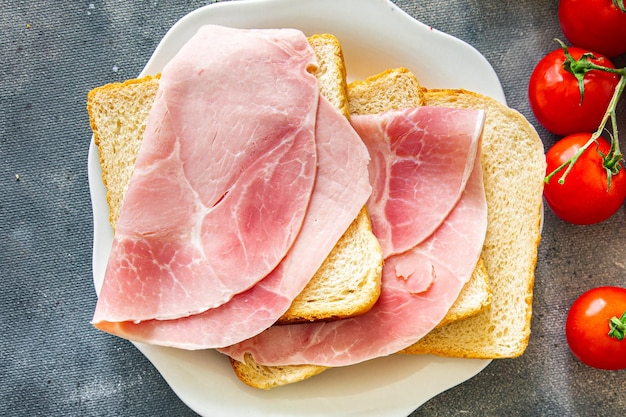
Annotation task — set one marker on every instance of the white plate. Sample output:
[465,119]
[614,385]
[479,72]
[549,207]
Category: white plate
[375,35]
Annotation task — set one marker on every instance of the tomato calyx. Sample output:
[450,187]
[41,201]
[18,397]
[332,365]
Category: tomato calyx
[617,327]
[580,67]
[611,161]
[620,5]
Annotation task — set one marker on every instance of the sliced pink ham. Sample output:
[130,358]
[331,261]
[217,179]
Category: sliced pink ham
[341,190]
[224,177]
[419,286]
[421,160]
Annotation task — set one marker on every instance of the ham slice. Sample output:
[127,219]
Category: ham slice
[341,189]
[418,287]
[421,160]
[223,180]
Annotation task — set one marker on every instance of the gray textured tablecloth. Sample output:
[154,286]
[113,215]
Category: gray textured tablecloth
[52,362]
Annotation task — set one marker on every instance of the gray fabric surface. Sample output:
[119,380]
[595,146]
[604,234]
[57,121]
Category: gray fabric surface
[52,362]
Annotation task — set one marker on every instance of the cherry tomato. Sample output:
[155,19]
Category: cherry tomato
[583,198]
[597,25]
[555,98]
[587,328]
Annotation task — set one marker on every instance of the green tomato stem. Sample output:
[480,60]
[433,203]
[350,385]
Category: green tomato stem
[620,5]
[617,327]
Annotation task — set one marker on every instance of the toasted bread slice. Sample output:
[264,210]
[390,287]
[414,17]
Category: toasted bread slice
[392,89]
[395,89]
[118,114]
[266,377]
[514,165]
[331,70]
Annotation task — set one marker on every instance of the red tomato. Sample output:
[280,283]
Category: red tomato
[587,328]
[555,96]
[583,198]
[597,25]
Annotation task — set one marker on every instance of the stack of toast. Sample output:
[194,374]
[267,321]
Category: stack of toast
[490,318]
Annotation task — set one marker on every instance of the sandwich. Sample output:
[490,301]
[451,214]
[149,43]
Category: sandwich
[339,288]
[348,283]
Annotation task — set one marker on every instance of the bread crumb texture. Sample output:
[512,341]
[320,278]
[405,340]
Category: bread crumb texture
[514,166]
[118,114]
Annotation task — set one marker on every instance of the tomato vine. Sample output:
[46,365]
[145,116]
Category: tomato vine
[611,161]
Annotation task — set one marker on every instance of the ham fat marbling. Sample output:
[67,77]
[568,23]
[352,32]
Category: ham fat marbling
[421,160]
[421,283]
[225,180]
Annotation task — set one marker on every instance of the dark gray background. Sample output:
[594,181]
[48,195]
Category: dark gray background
[52,362]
